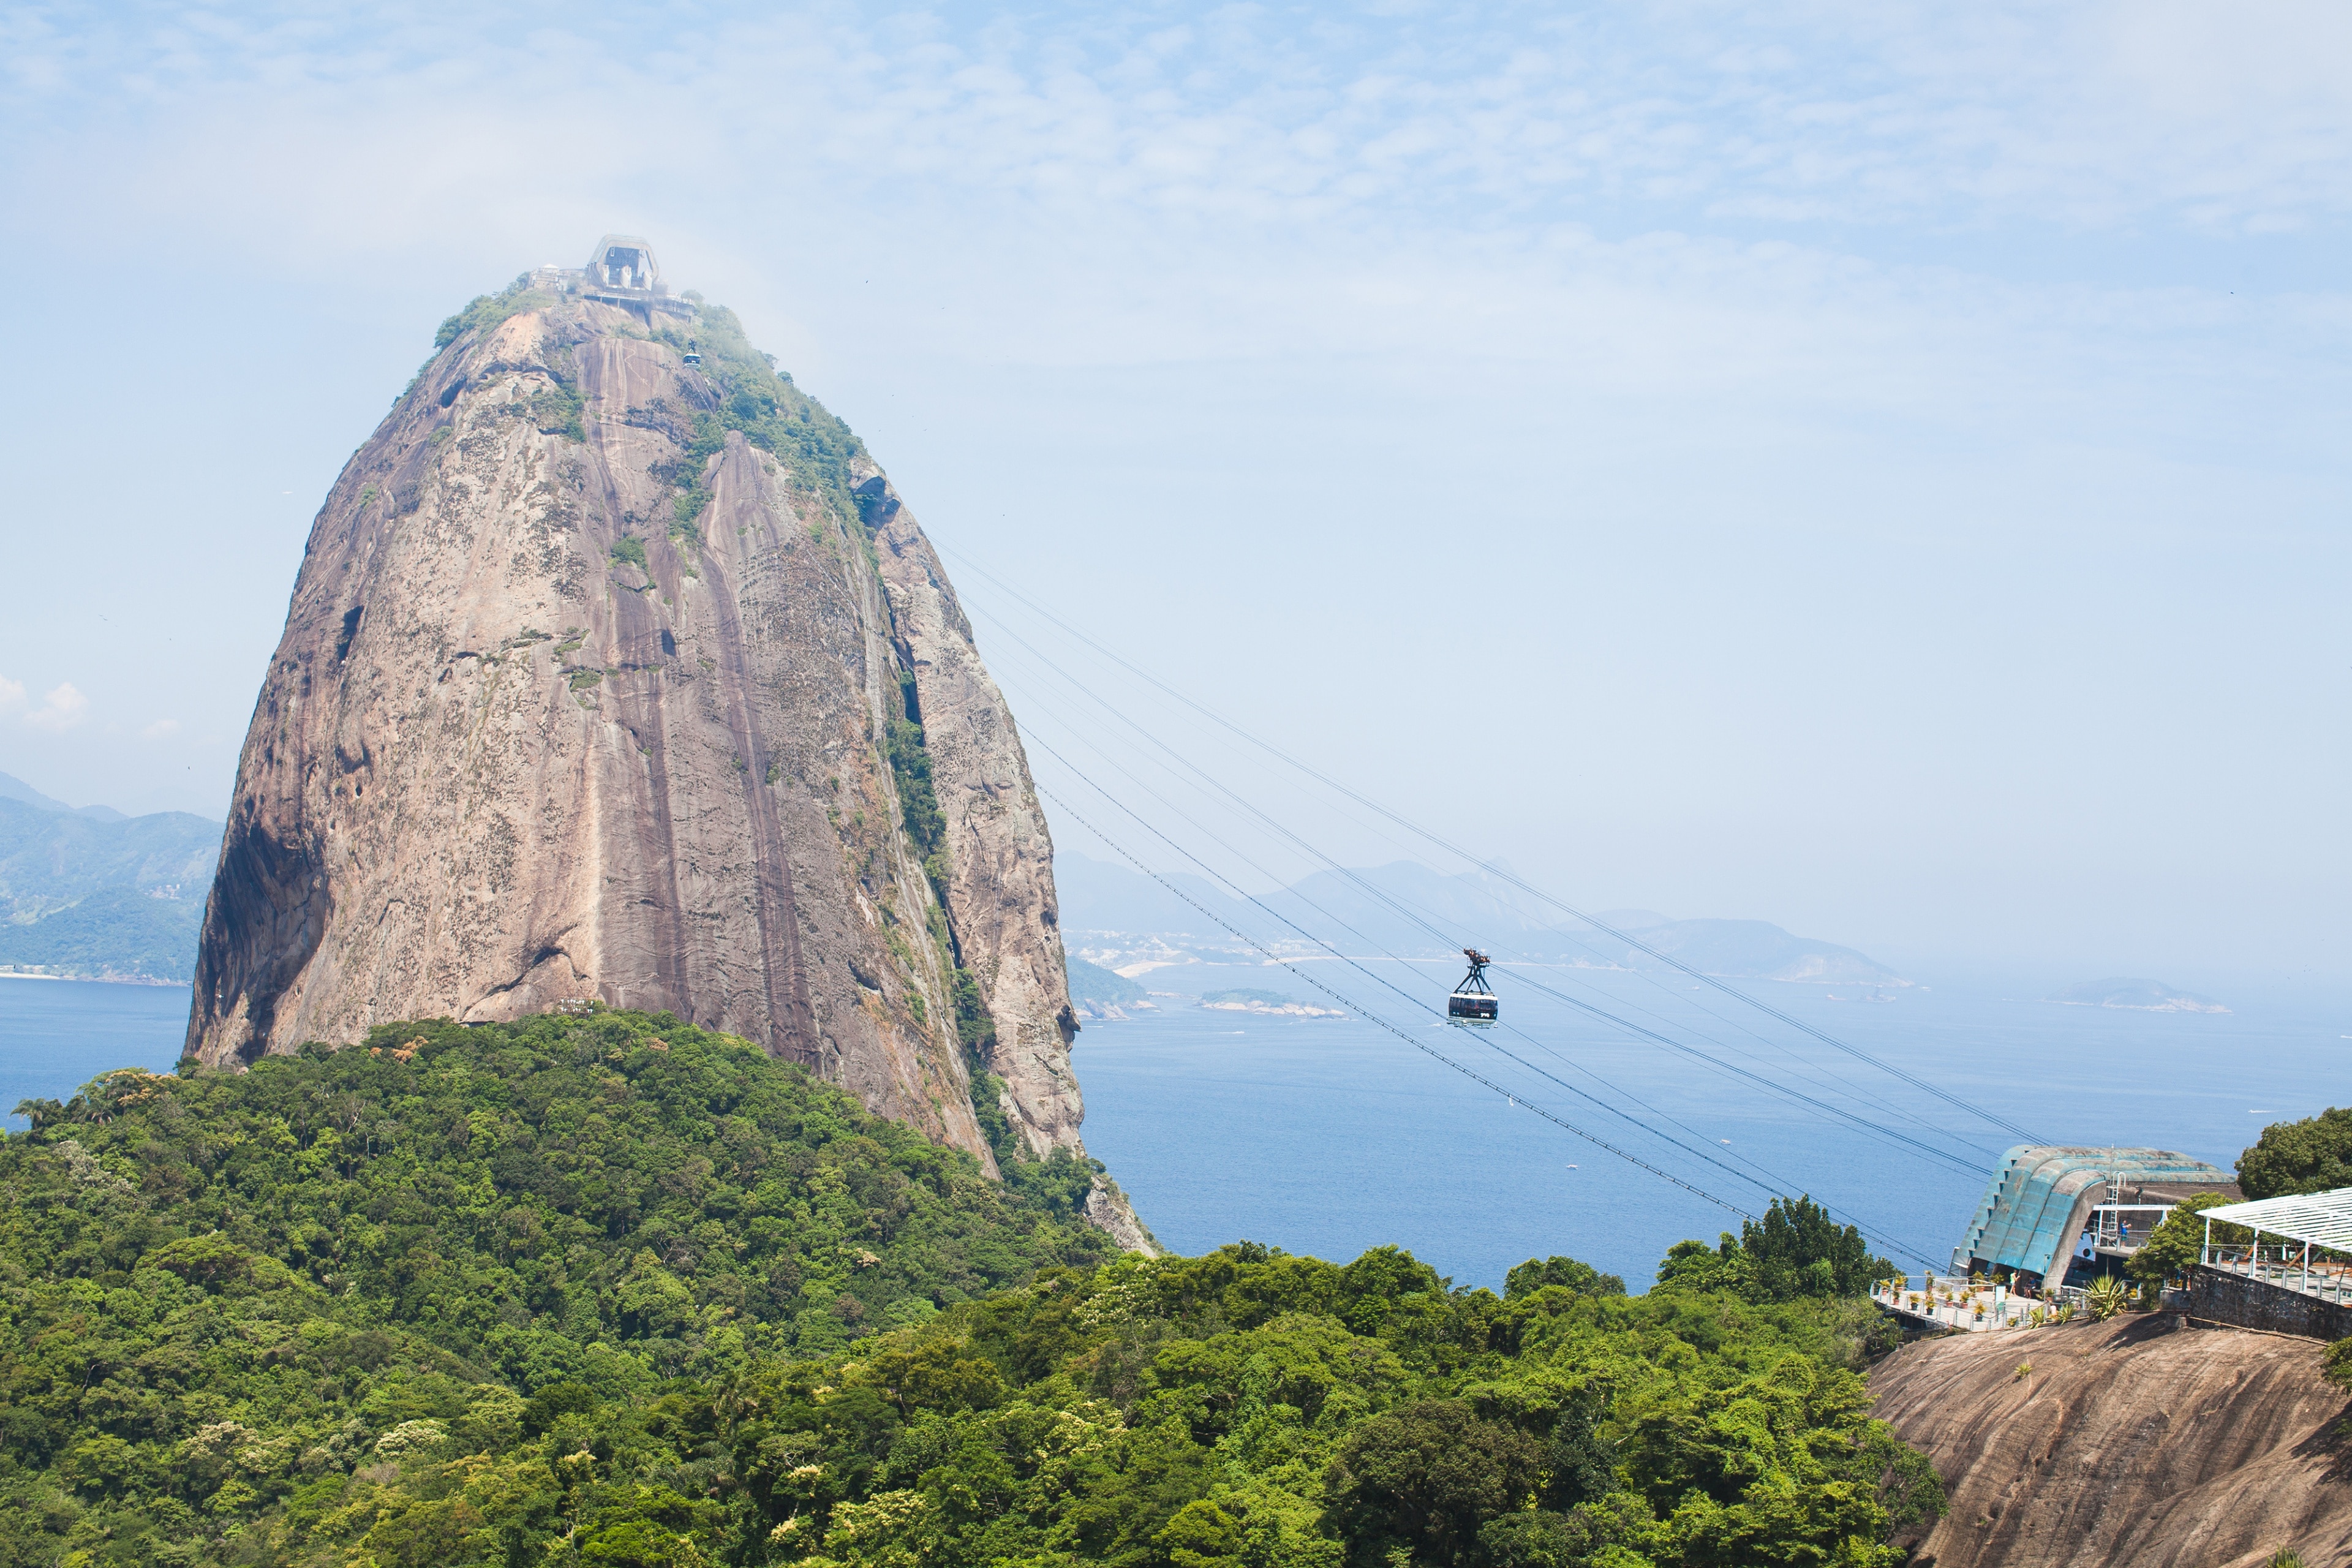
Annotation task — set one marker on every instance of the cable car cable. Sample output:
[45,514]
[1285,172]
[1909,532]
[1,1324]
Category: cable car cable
[1360,1011]
[1404,909]
[1775,1186]
[1917,1082]
[1980,1155]
[1861,1124]
[1368,1014]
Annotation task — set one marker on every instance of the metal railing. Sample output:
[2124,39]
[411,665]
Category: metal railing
[2107,1220]
[1953,1301]
[2291,1266]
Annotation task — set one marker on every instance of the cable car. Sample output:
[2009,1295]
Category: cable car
[693,354]
[1473,1002]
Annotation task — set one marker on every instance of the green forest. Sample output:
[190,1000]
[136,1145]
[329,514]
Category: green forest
[115,931]
[612,1290]
[101,895]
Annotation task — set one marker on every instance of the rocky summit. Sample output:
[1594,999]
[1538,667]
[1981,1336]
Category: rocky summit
[617,672]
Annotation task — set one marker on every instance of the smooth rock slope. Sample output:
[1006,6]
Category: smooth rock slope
[592,686]
[2135,1442]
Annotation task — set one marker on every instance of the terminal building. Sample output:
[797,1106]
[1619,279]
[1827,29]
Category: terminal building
[2066,1214]
[621,271]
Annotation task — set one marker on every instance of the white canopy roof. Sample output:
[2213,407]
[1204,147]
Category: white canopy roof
[2324,1219]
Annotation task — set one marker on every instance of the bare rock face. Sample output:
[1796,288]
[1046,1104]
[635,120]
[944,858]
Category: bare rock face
[601,681]
[2137,1442]
[1002,860]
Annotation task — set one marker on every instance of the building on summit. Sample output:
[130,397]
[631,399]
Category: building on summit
[624,261]
[2068,1214]
[622,271]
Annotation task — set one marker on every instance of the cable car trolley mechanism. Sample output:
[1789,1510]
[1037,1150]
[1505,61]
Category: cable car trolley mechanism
[1472,1002]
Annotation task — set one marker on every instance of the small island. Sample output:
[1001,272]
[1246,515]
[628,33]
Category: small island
[1268,1003]
[2138,995]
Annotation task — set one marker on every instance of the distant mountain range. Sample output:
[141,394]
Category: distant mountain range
[16,789]
[93,894]
[1125,921]
[90,893]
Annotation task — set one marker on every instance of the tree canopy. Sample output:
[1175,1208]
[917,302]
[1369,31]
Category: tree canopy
[1796,1251]
[2313,1155]
[615,1291]
[2179,1239]
[1535,1273]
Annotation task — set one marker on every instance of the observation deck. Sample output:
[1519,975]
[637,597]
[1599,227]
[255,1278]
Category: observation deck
[2280,1264]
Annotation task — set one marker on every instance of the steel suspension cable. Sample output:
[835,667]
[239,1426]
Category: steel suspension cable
[1861,1124]
[1924,1085]
[1777,1185]
[1409,912]
[1365,1013]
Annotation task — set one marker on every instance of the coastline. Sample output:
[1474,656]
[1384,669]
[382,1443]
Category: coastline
[1269,1010]
[94,979]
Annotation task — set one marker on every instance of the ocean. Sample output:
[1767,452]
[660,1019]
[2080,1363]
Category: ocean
[58,1035]
[1330,1136]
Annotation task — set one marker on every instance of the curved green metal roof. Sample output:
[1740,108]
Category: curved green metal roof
[2023,1219]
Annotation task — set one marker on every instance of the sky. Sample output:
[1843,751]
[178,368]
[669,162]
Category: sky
[1869,468]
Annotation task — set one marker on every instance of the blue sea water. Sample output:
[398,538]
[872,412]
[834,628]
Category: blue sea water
[58,1035]
[1328,1136]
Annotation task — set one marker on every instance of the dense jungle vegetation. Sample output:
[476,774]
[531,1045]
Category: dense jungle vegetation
[615,1291]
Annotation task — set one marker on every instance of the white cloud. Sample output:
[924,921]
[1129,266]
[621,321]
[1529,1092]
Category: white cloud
[63,707]
[12,695]
[160,727]
[282,133]
[2103,115]
[1629,270]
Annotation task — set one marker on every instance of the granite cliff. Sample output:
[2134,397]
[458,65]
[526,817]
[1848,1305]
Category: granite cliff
[2137,1443]
[616,669]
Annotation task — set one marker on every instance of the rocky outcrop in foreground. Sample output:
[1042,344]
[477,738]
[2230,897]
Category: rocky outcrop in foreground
[612,675]
[2138,1441]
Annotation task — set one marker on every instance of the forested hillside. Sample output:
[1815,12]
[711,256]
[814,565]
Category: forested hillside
[614,1290]
[97,894]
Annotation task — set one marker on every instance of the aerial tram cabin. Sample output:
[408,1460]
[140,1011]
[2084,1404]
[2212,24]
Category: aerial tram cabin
[1473,1002]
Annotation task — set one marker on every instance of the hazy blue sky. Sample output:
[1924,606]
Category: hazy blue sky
[1878,468]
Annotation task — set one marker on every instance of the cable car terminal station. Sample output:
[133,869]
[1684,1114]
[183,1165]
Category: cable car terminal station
[2057,1220]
